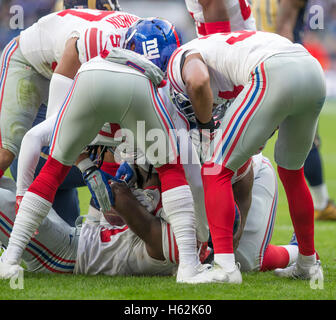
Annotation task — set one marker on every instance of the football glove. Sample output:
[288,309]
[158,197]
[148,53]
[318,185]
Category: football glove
[203,136]
[125,173]
[149,198]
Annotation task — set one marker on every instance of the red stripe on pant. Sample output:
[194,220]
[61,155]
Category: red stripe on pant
[5,63]
[60,116]
[252,110]
[220,143]
[42,247]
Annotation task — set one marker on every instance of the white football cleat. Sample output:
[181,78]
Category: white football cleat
[295,271]
[185,271]
[8,271]
[218,274]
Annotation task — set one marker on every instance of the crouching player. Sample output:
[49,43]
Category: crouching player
[210,70]
[255,190]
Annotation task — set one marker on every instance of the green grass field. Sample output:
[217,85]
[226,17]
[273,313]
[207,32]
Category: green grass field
[255,285]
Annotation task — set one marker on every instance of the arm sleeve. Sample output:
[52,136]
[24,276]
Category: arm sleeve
[36,138]
[58,90]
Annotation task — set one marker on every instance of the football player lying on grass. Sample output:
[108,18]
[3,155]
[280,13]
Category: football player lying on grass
[136,242]
[131,241]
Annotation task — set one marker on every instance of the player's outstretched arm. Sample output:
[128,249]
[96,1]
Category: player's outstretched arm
[139,220]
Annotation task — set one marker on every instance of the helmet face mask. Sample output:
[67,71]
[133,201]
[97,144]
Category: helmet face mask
[109,5]
[154,38]
[183,104]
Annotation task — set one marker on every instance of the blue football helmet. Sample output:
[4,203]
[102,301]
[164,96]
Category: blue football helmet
[154,38]
[109,5]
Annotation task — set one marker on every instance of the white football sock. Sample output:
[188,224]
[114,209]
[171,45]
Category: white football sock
[293,252]
[193,175]
[320,196]
[306,261]
[179,208]
[33,210]
[226,261]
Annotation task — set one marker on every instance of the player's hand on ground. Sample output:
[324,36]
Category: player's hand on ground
[98,184]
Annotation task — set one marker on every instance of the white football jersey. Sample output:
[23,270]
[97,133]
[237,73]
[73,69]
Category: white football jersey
[230,57]
[239,12]
[116,250]
[43,43]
